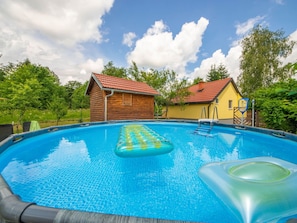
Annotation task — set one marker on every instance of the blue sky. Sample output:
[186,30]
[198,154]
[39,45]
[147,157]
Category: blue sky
[75,38]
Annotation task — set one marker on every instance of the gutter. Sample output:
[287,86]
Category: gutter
[105,104]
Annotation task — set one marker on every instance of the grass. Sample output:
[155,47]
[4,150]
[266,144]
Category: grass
[44,117]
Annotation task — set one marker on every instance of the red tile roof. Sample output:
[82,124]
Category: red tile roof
[107,82]
[205,92]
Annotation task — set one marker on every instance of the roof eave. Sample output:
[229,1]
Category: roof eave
[126,91]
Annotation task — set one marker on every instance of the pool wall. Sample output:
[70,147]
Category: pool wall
[14,210]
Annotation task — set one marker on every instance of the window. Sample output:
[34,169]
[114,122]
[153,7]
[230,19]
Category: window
[217,101]
[127,99]
[230,106]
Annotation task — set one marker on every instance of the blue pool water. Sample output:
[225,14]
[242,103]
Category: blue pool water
[77,169]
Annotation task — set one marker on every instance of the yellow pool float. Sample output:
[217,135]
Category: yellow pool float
[140,140]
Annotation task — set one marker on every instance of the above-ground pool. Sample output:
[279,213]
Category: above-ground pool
[77,168]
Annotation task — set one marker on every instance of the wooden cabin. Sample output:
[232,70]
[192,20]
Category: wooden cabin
[113,98]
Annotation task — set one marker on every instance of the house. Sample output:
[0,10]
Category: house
[213,100]
[113,98]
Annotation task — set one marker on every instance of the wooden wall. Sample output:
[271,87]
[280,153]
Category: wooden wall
[120,106]
[142,107]
[96,104]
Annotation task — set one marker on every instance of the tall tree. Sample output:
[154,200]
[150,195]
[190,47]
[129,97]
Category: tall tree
[217,73]
[58,107]
[262,53]
[111,70]
[197,80]
[174,89]
[27,86]
[80,100]
[165,82]
[70,88]
[152,77]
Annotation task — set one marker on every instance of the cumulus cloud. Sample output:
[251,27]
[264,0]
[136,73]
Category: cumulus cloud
[92,66]
[230,61]
[292,58]
[51,33]
[128,39]
[158,47]
[243,28]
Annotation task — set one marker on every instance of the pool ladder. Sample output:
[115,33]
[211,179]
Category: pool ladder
[205,125]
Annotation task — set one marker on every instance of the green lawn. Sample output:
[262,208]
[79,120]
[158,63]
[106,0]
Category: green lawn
[44,117]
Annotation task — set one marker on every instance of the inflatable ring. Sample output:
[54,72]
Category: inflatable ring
[261,189]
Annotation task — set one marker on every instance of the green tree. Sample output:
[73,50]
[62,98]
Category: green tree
[262,53]
[27,86]
[80,100]
[165,82]
[217,73]
[58,106]
[278,105]
[154,78]
[173,91]
[111,70]
[197,80]
[70,88]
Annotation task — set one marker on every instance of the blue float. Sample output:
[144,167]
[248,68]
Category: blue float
[140,140]
[261,189]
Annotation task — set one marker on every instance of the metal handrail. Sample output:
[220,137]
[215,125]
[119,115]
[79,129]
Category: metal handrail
[203,111]
[215,111]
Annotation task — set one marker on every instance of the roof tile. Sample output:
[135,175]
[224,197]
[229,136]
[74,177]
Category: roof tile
[206,91]
[120,84]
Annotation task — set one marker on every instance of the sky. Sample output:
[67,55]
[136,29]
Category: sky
[75,38]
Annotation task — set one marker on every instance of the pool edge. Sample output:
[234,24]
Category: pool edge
[14,210]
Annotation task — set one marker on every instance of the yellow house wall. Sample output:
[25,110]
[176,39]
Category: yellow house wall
[195,111]
[192,111]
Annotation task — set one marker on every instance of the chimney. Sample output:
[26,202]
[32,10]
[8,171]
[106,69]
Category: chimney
[200,86]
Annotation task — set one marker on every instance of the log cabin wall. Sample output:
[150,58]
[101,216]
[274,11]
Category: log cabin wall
[125,106]
[96,104]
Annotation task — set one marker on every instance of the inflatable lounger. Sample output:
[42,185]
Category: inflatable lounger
[261,189]
[139,140]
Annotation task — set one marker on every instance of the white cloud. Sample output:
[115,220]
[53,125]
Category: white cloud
[92,66]
[292,58]
[243,28]
[128,39]
[280,2]
[51,32]
[158,48]
[230,61]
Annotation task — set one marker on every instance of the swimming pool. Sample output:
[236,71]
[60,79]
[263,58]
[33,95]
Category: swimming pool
[77,169]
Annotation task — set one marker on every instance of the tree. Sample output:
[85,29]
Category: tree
[59,107]
[80,100]
[278,105]
[27,86]
[111,70]
[165,82]
[197,80]
[217,73]
[154,78]
[70,88]
[262,53]
[173,90]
